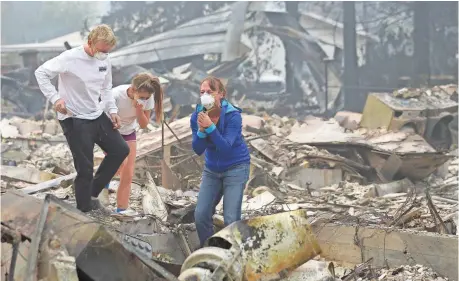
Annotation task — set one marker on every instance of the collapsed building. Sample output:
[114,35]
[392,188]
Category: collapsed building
[269,59]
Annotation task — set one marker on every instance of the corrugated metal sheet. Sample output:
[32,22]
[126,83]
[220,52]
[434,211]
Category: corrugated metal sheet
[165,54]
[40,47]
[199,36]
[268,6]
[53,45]
[74,37]
[169,43]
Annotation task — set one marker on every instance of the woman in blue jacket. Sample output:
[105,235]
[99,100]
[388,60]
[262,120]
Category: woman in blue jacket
[217,131]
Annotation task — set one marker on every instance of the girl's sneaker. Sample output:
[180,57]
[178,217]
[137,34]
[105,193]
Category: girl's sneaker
[127,212]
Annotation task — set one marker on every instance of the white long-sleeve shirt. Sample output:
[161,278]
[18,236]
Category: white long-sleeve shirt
[82,79]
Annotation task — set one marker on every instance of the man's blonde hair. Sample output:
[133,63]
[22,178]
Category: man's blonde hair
[102,33]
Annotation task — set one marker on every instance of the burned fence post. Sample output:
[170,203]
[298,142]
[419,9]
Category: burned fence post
[327,60]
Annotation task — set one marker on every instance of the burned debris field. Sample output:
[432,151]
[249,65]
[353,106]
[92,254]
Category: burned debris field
[354,159]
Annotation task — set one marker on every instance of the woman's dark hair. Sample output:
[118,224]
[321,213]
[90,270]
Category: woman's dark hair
[215,84]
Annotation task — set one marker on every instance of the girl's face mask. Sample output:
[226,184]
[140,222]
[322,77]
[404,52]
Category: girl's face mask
[142,102]
[138,100]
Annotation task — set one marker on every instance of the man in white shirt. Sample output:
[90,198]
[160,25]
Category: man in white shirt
[84,76]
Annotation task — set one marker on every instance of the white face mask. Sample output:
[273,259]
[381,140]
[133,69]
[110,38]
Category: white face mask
[101,56]
[142,102]
[207,100]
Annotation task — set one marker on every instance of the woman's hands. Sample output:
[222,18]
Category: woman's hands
[204,120]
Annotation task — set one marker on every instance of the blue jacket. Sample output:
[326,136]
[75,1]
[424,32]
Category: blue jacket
[224,144]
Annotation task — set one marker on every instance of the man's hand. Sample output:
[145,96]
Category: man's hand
[204,120]
[116,120]
[59,106]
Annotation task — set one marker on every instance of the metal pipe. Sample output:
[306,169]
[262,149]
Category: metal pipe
[180,142]
[34,247]
[14,238]
[14,257]
[326,88]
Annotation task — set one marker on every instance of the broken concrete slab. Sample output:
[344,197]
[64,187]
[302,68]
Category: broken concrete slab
[388,247]
[43,186]
[317,132]
[348,120]
[313,178]
[264,148]
[252,123]
[47,184]
[393,187]
[258,202]
[26,174]
[312,270]
[152,201]
[7,130]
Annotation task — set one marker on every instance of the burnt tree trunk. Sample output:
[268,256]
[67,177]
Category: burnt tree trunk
[352,97]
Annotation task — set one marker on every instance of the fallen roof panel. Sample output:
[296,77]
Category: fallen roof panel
[40,47]
[166,54]
[209,31]
[198,29]
[167,44]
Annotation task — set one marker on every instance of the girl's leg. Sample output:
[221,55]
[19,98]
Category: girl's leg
[234,181]
[126,175]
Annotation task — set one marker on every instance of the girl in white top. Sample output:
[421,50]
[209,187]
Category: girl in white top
[135,103]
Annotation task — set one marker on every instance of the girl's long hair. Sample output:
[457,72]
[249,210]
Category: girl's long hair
[149,83]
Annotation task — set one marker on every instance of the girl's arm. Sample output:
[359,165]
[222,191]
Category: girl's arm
[143,116]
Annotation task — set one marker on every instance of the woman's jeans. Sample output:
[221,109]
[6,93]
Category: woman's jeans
[229,184]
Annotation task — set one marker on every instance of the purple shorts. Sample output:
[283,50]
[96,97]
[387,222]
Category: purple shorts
[130,137]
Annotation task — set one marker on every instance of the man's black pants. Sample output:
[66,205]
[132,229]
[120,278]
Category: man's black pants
[81,135]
